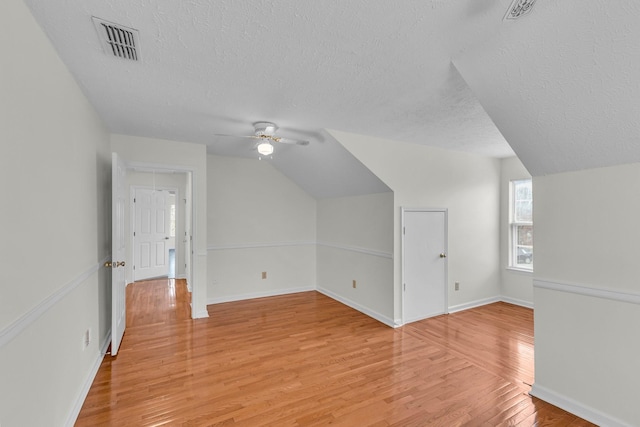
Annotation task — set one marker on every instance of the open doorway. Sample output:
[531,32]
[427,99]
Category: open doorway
[159,224]
[154,229]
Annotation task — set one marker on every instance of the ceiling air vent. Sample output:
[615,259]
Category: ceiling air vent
[118,40]
[518,9]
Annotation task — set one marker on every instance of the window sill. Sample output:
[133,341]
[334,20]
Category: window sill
[521,270]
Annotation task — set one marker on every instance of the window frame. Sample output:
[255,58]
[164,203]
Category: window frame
[513,229]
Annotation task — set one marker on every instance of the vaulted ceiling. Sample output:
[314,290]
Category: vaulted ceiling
[561,83]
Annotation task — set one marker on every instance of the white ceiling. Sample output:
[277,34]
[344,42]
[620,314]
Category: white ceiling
[564,75]
[563,85]
[215,67]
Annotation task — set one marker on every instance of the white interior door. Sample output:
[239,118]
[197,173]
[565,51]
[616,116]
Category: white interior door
[151,234]
[173,211]
[424,257]
[118,253]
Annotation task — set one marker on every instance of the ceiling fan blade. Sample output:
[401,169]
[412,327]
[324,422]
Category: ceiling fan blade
[264,132]
[290,141]
[237,136]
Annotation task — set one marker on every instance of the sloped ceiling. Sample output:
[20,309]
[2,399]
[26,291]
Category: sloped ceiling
[215,67]
[326,169]
[563,84]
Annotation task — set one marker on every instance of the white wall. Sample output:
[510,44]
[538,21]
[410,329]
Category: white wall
[188,228]
[176,181]
[355,242]
[179,156]
[55,175]
[516,286]
[258,221]
[467,185]
[586,292]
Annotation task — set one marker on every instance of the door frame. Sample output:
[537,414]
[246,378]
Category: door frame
[132,209]
[198,288]
[445,211]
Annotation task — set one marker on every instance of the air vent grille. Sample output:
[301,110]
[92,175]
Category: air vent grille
[518,9]
[117,40]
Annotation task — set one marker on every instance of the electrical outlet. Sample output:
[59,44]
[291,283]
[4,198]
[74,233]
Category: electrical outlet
[354,284]
[264,274]
[457,286]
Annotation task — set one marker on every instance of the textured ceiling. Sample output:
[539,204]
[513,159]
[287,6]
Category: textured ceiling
[561,83]
[215,67]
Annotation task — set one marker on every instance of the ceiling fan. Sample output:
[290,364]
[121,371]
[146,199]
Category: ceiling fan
[264,132]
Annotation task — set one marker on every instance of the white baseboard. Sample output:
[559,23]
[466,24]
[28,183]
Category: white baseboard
[371,313]
[73,416]
[583,411]
[263,294]
[490,300]
[474,304]
[515,301]
[202,314]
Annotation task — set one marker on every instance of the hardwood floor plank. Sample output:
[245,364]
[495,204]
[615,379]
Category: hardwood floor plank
[307,360]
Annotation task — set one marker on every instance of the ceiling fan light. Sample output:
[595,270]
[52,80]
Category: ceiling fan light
[265,148]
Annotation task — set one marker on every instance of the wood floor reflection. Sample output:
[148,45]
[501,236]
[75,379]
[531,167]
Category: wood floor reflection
[307,360]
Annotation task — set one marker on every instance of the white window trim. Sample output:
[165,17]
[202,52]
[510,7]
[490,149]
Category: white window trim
[513,244]
[521,270]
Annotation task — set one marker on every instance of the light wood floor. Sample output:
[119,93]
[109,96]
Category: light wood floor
[307,360]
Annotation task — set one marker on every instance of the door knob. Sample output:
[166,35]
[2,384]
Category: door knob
[107,264]
[443,255]
[166,238]
[120,264]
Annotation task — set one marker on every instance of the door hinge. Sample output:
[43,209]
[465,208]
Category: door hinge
[134,200]
[404,230]
[405,286]
[134,234]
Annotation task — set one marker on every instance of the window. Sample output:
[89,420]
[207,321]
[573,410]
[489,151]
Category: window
[521,230]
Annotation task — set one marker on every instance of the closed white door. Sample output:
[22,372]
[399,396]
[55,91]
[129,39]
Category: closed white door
[151,234]
[118,281]
[173,210]
[424,257]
